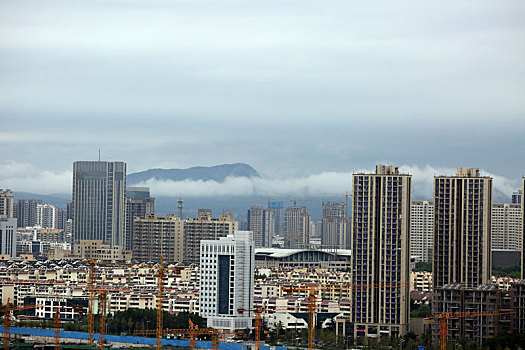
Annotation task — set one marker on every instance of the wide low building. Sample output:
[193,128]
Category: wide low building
[309,258]
[486,310]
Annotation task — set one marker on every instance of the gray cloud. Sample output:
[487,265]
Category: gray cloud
[292,87]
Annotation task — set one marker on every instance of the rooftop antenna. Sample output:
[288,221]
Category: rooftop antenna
[99,154]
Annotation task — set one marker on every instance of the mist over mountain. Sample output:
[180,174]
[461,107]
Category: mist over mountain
[217,173]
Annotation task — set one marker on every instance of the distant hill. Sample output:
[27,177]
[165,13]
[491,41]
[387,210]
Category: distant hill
[58,200]
[215,173]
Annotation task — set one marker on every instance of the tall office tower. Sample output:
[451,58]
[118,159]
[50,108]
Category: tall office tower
[99,189]
[204,227]
[139,203]
[6,203]
[380,251]
[462,220]
[153,236]
[8,236]
[334,227]
[260,222]
[277,212]
[46,216]
[297,227]
[25,212]
[506,227]
[61,218]
[421,230]
[226,281]
[69,210]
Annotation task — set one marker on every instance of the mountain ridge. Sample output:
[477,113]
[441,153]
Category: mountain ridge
[217,173]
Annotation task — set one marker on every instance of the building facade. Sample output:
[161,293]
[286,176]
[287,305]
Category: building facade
[381,252]
[483,299]
[25,212]
[523,229]
[139,203]
[276,207]
[462,223]
[98,250]
[204,227]
[226,281]
[297,221]
[6,203]
[517,196]
[8,236]
[99,189]
[335,230]
[506,227]
[46,216]
[154,236]
[421,230]
[260,222]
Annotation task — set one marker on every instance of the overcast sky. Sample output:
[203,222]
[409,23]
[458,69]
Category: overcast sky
[293,88]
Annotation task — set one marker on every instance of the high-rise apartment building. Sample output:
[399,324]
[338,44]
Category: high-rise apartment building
[276,208]
[380,251]
[8,236]
[421,230]
[139,203]
[260,222]
[523,229]
[462,223]
[297,227]
[506,226]
[46,216]
[517,196]
[6,203]
[335,230]
[226,281]
[25,212]
[61,218]
[204,227]
[69,210]
[99,189]
[153,236]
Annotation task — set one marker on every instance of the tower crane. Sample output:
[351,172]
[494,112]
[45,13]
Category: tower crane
[57,319]
[102,312]
[7,321]
[258,323]
[445,316]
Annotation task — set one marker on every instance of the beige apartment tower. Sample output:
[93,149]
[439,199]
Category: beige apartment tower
[381,252]
[297,222]
[462,224]
[154,236]
[6,203]
[204,227]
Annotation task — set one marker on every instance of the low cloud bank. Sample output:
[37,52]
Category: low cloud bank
[24,177]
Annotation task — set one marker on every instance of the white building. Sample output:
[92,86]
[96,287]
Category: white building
[506,226]
[46,216]
[421,230]
[226,281]
[8,236]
